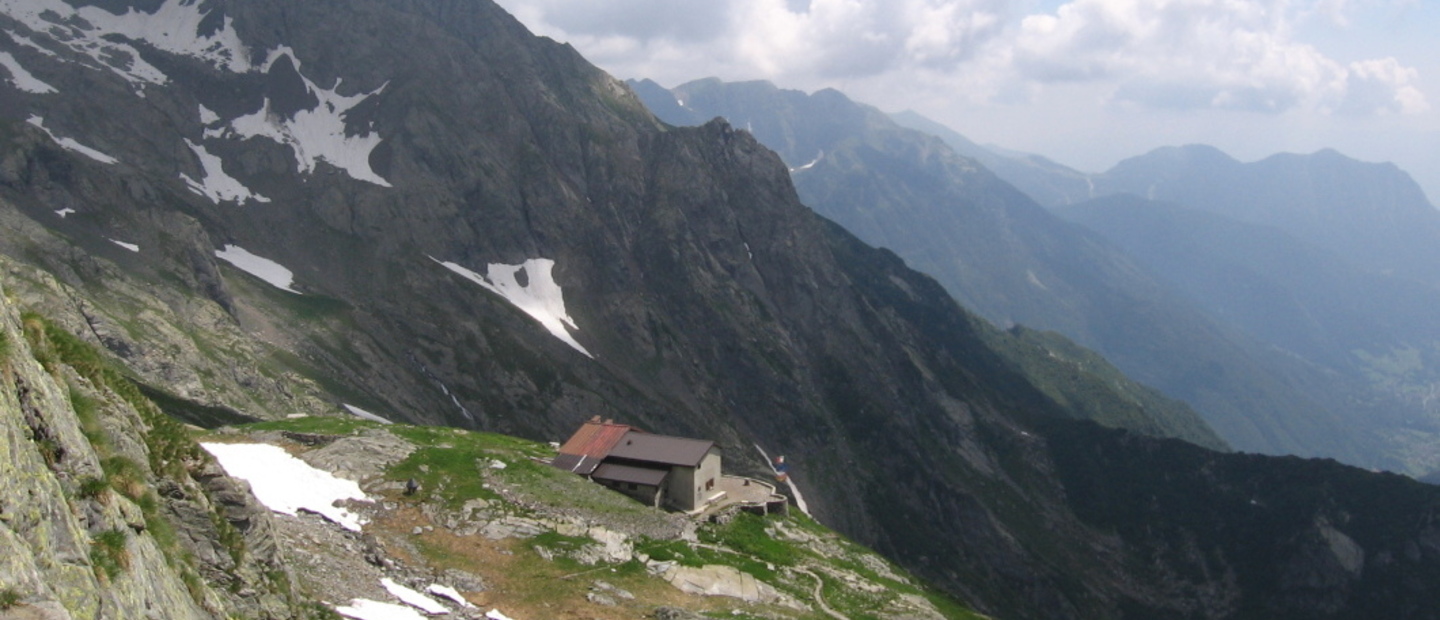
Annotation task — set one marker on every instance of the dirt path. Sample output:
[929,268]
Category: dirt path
[820,597]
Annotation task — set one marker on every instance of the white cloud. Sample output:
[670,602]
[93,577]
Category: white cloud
[776,39]
[1382,85]
[1163,54]
[1205,54]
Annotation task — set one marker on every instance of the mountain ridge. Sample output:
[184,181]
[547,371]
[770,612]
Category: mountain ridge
[1014,262]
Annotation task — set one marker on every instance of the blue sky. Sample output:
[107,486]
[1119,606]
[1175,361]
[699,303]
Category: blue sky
[1086,82]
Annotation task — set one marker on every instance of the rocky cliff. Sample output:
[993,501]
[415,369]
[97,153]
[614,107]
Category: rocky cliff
[107,509]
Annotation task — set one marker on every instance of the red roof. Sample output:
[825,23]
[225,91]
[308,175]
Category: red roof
[595,439]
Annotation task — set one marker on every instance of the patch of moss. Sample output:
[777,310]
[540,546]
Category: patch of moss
[9,598]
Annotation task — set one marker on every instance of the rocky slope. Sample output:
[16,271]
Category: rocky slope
[111,512]
[420,210]
[107,509]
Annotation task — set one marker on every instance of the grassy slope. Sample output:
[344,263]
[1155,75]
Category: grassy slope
[453,467]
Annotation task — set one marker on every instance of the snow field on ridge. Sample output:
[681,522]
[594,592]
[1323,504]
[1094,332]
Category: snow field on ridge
[271,272]
[540,297]
[70,144]
[217,185]
[22,79]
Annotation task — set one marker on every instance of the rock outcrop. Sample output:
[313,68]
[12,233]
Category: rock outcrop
[101,516]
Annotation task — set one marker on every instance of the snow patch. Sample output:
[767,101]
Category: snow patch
[129,246]
[413,598]
[102,38]
[286,484]
[318,133]
[449,593]
[84,31]
[95,33]
[22,79]
[818,157]
[268,270]
[23,40]
[70,144]
[366,609]
[1035,280]
[64,212]
[175,28]
[208,116]
[540,297]
[217,185]
[361,413]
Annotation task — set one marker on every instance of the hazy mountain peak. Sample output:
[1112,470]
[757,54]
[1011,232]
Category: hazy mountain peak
[1202,155]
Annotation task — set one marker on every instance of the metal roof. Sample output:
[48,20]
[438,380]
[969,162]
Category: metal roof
[594,439]
[576,463]
[662,449]
[628,473]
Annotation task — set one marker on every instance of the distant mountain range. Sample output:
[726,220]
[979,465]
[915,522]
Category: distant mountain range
[1012,260]
[1321,256]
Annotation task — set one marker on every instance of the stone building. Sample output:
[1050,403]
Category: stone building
[662,471]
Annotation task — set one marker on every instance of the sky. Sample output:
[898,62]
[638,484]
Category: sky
[1085,82]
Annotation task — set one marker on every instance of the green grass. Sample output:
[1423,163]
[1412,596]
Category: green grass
[9,598]
[87,410]
[677,551]
[747,533]
[109,555]
[450,465]
[93,488]
[684,554]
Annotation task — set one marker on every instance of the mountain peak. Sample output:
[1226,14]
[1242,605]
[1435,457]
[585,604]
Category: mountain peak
[1202,155]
